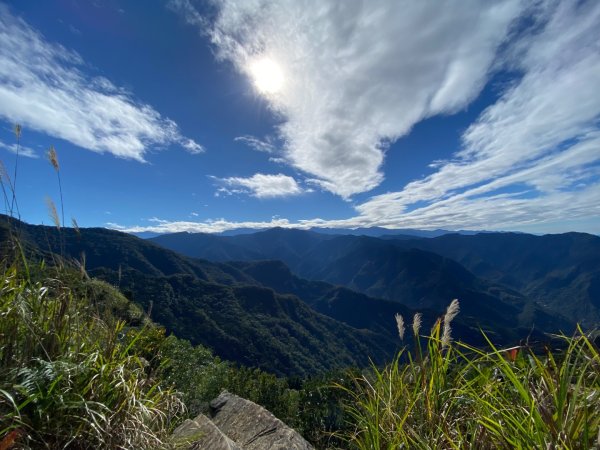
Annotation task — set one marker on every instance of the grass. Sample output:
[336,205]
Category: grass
[68,377]
[453,396]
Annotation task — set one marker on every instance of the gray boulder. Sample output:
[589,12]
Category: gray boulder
[252,427]
[200,434]
[237,424]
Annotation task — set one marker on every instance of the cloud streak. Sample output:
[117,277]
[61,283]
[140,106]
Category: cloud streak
[43,86]
[23,150]
[265,146]
[500,212]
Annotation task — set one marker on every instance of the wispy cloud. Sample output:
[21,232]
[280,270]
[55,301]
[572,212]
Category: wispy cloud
[23,150]
[558,212]
[260,145]
[43,86]
[541,136]
[359,75]
[260,185]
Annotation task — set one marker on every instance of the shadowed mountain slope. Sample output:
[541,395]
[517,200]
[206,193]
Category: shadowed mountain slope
[559,271]
[216,305]
[390,269]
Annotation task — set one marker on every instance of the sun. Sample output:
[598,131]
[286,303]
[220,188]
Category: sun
[267,76]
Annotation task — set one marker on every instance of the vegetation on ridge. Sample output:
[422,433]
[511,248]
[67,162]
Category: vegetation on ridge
[454,396]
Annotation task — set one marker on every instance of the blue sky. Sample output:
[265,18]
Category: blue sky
[207,116]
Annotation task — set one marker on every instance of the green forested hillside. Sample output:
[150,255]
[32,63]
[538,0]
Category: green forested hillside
[560,271]
[215,305]
[558,274]
[392,270]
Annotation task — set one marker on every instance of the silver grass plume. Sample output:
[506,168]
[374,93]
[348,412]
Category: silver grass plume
[400,324]
[53,158]
[451,312]
[416,326]
[52,212]
[75,226]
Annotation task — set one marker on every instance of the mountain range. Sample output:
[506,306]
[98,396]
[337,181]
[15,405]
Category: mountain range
[296,302]
[544,277]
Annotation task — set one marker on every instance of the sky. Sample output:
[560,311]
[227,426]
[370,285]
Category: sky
[207,116]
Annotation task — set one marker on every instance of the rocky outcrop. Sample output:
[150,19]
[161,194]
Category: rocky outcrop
[235,423]
[201,433]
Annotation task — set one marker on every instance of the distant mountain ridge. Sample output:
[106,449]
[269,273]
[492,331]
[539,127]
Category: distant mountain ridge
[543,272]
[560,271]
[364,231]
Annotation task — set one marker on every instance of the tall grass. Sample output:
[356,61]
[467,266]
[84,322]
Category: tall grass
[448,395]
[14,204]
[53,159]
[68,377]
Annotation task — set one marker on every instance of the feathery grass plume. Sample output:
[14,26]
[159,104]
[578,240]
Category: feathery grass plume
[416,326]
[451,312]
[5,177]
[81,263]
[53,158]
[400,324]
[75,226]
[13,204]
[52,212]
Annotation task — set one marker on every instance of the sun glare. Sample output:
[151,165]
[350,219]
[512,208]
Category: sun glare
[267,76]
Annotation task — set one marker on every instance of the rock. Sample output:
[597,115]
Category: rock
[200,434]
[252,427]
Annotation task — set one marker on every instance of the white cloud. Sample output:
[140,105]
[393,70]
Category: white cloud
[261,185]
[266,145]
[43,87]
[209,226]
[359,75]
[23,150]
[542,132]
[191,146]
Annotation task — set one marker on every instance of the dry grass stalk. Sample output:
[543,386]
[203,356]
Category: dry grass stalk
[53,158]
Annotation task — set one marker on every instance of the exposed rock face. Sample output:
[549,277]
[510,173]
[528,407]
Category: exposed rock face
[238,424]
[200,434]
